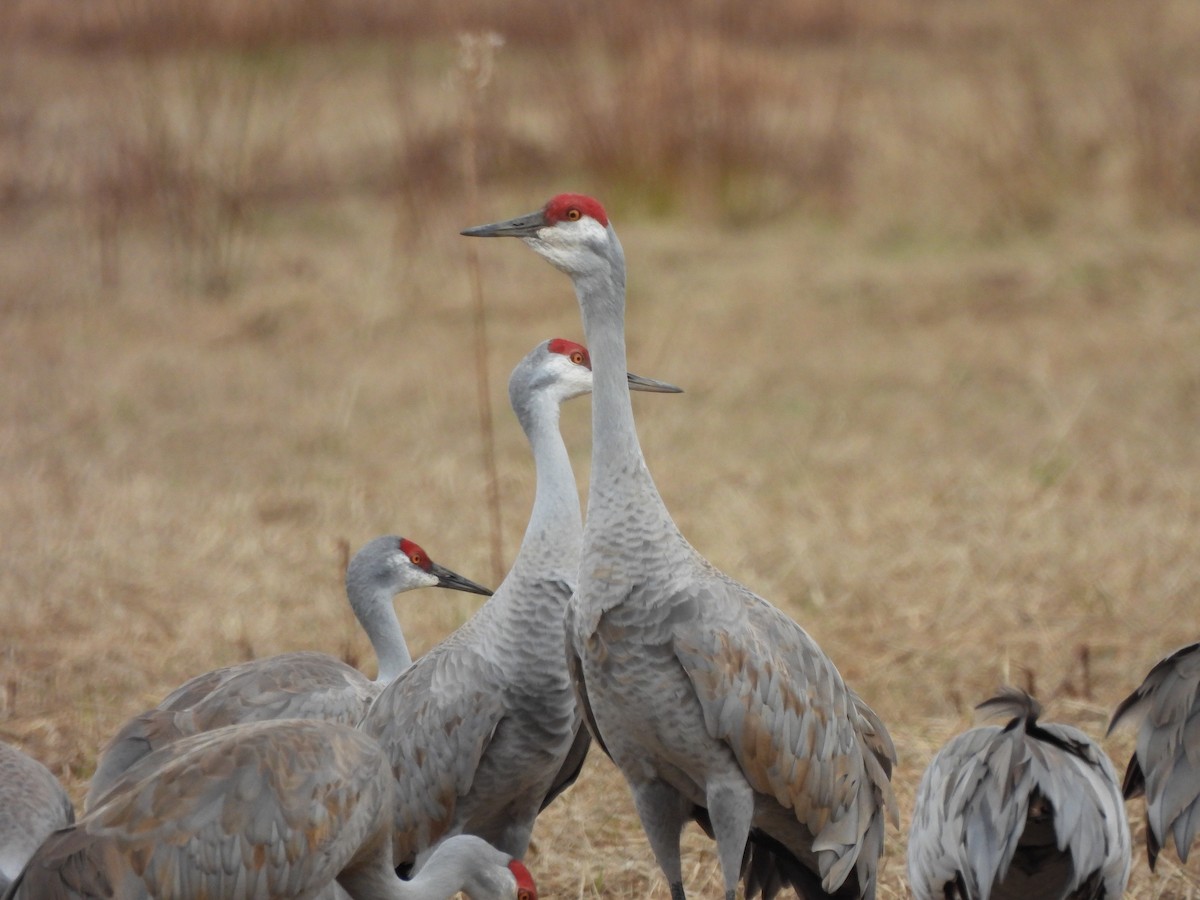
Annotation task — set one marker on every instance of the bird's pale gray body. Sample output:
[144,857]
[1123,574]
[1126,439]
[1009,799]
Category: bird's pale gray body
[32,804]
[476,740]
[706,695]
[715,705]
[281,810]
[300,685]
[1029,811]
[268,810]
[1165,765]
[478,731]
[484,730]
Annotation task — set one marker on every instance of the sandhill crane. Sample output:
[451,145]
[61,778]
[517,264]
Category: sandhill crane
[1165,766]
[1027,810]
[483,731]
[278,809]
[304,685]
[714,704]
[32,804]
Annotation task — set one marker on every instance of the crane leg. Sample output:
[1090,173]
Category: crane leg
[663,812]
[731,810]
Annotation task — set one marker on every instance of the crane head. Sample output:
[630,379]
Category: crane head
[526,889]
[577,355]
[435,575]
[560,211]
[571,231]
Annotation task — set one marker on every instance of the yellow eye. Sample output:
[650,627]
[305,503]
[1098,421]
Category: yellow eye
[577,358]
[574,214]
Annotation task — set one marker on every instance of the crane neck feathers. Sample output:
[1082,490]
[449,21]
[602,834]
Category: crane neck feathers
[555,527]
[618,463]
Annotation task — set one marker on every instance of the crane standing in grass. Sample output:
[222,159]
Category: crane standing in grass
[714,704]
[484,731]
[302,685]
[1028,810]
[1165,765]
[286,810]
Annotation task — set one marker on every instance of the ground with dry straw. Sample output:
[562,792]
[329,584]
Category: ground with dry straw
[931,284]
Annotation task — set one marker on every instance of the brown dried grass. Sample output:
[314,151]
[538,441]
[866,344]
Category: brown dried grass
[931,294]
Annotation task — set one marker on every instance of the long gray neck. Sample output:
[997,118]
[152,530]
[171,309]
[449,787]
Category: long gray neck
[620,481]
[554,535]
[374,609]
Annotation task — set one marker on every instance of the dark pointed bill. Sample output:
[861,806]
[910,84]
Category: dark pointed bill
[522,226]
[454,581]
[639,383]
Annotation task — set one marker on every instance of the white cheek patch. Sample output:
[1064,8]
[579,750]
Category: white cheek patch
[561,244]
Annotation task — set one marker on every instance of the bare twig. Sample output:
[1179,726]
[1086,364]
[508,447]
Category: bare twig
[476,54]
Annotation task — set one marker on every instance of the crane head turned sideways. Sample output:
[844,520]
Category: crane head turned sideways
[563,369]
[399,565]
[435,575]
[571,231]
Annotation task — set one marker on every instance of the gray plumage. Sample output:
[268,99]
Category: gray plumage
[32,804]
[1025,811]
[483,731]
[714,704]
[303,685]
[275,810]
[1165,765]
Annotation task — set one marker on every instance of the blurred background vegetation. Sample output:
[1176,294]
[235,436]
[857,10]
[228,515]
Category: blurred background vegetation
[909,119]
[927,269]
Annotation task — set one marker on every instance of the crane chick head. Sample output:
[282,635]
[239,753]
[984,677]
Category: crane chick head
[571,231]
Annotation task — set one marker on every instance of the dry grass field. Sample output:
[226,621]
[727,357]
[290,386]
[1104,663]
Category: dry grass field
[929,274]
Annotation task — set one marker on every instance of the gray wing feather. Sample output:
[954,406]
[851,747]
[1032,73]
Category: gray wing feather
[768,691]
[32,805]
[137,738]
[196,689]
[302,685]
[578,682]
[571,766]
[455,696]
[975,799]
[1165,764]
[292,686]
[253,811]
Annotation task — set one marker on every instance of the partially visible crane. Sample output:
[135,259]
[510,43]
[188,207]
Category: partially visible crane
[277,810]
[714,704]
[1165,766]
[33,803]
[303,685]
[1028,810]
[483,731]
